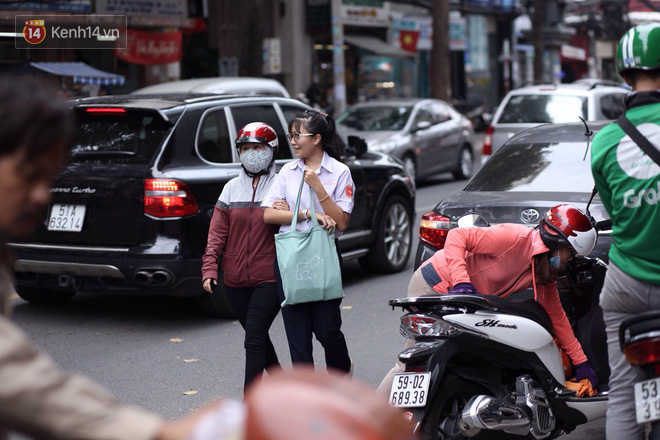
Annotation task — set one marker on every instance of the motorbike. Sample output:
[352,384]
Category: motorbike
[487,367]
[639,337]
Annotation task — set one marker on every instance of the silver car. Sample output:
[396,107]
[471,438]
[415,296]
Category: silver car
[428,135]
[551,104]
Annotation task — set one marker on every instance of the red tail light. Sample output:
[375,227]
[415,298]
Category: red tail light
[105,110]
[643,352]
[165,198]
[434,228]
[488,141]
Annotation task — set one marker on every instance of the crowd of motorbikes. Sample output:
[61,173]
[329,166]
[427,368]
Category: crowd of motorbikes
[486,367]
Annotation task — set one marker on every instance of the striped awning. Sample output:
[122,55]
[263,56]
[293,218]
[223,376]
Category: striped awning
[81,73]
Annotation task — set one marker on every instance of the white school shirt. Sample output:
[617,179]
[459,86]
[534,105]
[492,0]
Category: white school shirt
[334,176]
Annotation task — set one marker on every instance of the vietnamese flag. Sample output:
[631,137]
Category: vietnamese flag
[408,40]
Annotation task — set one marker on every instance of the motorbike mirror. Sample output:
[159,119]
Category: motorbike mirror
[472,220]
[356,146]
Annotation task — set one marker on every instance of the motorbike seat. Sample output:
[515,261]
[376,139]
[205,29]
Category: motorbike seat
[527,308]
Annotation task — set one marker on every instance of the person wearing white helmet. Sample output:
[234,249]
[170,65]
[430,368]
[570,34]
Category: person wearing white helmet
[628,181]
[508,258]
[244,243]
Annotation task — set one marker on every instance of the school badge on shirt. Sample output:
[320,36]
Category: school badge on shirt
[349,191]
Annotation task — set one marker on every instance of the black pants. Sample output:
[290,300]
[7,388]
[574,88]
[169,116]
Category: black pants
[323,319]
[256,308]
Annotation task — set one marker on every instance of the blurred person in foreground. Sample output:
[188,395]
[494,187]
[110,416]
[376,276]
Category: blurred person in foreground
[303,404]
[627,181]
[36,397]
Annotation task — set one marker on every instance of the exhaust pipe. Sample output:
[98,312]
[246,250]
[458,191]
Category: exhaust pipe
[153,277]
[486,412]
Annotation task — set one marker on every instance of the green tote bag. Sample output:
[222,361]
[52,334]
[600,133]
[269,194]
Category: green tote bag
[308,261]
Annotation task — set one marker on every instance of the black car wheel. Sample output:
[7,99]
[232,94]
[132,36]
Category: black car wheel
[391,251]
[465,164]
[216,304]
[38,295]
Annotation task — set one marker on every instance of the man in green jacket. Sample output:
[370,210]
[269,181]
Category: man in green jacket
[628,182]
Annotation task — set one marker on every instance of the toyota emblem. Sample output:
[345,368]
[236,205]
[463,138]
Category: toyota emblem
[530,216]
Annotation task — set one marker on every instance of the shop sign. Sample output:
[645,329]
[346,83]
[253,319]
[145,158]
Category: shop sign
[573,53]
[420,24]
[160,8]
[72,6]
[151,47]
[364,13]
[457,31]
[272,56]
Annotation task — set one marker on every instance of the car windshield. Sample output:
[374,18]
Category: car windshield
[538,167]
[376,118]
[122,139]
[544,109]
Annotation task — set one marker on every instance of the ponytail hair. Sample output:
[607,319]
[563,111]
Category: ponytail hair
[315,122]
[545,274]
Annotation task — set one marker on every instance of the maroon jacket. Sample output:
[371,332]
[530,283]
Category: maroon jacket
[239,236]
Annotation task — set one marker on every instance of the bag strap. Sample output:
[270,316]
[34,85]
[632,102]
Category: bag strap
[294,219]
[638,138]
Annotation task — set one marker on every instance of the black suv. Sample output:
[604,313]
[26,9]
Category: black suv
[131,210]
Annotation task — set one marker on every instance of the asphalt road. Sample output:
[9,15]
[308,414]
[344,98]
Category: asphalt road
[150,350]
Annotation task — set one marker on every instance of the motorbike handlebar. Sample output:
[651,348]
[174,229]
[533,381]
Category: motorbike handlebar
[603,225]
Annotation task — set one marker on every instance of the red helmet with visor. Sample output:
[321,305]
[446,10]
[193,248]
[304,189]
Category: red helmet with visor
[566,225]
[257,132]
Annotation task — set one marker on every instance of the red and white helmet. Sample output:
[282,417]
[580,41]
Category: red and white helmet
[258,132]
[566,225]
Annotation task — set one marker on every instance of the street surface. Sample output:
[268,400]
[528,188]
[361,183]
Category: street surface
[150,350]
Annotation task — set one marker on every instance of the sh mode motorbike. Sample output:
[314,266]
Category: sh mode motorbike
[486,367]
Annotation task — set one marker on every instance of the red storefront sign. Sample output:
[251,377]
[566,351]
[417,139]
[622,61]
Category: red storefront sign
[151,47]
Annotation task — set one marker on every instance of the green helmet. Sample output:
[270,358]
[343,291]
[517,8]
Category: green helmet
[639,48]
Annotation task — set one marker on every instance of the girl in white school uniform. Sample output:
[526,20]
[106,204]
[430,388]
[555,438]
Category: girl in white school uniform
[318,149]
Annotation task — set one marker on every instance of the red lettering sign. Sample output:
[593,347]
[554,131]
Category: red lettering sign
[151,47]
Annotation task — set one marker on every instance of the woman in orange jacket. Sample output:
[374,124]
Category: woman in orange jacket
[509,258]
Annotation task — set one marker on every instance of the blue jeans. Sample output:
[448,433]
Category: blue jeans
[323,319]
[256,308]
[622,297]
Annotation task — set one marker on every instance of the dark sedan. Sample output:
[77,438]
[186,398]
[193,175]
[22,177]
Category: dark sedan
[535,170]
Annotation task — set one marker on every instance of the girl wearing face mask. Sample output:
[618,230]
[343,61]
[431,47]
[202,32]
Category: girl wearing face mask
[239,237]
[509,258]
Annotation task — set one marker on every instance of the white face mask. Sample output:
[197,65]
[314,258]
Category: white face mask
[256,161]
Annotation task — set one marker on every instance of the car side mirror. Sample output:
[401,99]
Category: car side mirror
[356,146]
[421,125]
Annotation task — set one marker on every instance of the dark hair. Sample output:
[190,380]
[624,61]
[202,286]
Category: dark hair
[316,122]
[544,273]
[33,117]
[35,120]
[634,75]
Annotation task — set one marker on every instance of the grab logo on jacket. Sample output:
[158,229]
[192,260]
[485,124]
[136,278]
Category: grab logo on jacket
[632,160]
